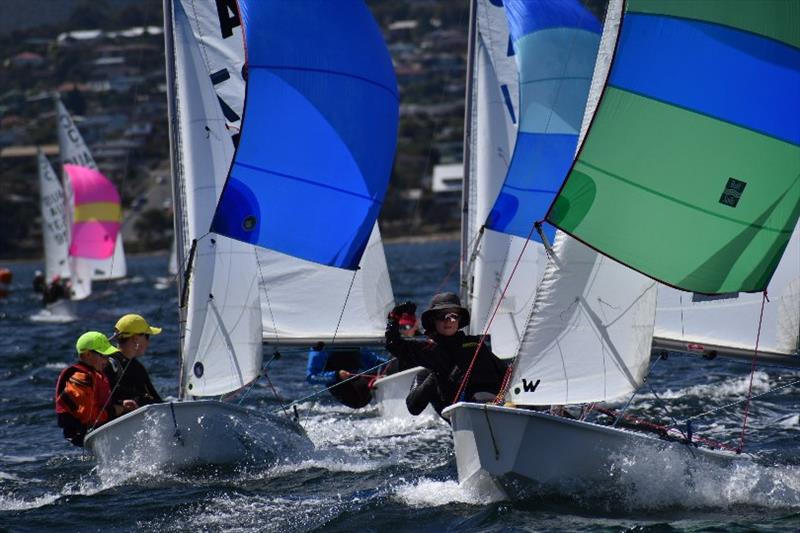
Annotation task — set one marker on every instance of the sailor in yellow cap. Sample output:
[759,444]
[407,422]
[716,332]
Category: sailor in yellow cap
[129,378]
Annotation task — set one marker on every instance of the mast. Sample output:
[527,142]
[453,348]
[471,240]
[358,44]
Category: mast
[465,252]
[175,169]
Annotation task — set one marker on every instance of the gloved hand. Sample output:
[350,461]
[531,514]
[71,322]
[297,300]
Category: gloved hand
[403,308]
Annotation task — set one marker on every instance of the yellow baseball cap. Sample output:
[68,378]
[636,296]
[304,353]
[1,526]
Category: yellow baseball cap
[96,342]
[134,325]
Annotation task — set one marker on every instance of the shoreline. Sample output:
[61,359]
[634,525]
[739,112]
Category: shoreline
[406,239]
[430,237]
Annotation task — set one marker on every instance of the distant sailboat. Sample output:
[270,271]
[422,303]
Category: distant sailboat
[74,151]
[55,235]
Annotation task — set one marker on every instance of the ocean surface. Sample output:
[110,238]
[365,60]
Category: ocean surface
[366,473]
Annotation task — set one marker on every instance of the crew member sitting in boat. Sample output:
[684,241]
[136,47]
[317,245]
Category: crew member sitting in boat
[409,327]
[128,377]
[446,356]
[58,289]
[331,367]
[39,282]
[83,392]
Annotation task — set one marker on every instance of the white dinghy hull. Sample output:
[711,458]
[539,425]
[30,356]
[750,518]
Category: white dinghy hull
[176,435]
[509,449]
[389,394]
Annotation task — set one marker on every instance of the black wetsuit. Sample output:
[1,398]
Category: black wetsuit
[130,381]
[447,360]
[356,392]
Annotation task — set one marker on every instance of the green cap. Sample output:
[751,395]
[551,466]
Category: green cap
[96,342]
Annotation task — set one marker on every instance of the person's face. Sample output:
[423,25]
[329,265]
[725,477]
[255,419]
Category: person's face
[447,322]
[140,343]
[96,360]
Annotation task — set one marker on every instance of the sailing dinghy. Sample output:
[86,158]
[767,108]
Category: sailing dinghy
[55,235]
[321,209]
[630,194]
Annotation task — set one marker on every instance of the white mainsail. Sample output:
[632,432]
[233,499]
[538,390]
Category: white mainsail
[74,150]
[222,343]
[490,258]
[301,301]
[54,227]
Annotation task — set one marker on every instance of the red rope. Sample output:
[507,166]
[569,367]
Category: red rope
[664,429]
[447,277]
[501,395]
[489,324]
[764,300]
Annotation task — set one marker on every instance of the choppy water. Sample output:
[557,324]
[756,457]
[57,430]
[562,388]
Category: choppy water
[366,473]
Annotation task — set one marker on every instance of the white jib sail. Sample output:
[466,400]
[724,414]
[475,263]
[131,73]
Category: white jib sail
[54,225]
[300,301]
[74,150]
[494,129]
[222,344]
[731,320]
[589,336]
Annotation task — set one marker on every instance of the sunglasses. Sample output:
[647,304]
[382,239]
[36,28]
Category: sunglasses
[406,327]
[448,316]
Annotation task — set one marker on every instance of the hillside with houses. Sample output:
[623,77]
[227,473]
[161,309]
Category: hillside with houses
[107,65]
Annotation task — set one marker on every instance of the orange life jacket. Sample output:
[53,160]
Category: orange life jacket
[84,393]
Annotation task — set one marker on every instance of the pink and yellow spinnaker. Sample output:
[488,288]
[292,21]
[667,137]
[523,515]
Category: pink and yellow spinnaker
[96,213]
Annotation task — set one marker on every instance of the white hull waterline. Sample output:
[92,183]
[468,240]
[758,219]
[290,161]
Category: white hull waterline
[60,312]
[176,435]
[389,394]
[506,449]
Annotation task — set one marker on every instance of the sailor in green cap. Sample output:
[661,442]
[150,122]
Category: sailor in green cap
[83,392]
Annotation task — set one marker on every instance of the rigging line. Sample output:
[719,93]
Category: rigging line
[266,296]
[474,245]
[447,277]
[275,356]
[352,377]
[494,314]
[344,305]
[688,437]
[764,300]
[275,392]
[731,404]
[628,403]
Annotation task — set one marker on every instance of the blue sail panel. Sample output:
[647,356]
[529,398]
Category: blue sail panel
[532,182]
[731,67]
[555,46]
[319,131]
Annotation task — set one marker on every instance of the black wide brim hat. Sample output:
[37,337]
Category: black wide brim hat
[441,302]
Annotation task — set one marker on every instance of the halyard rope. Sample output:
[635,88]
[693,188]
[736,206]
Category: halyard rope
[464,381]
[752,372]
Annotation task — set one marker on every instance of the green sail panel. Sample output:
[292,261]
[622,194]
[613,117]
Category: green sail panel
[690,172]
